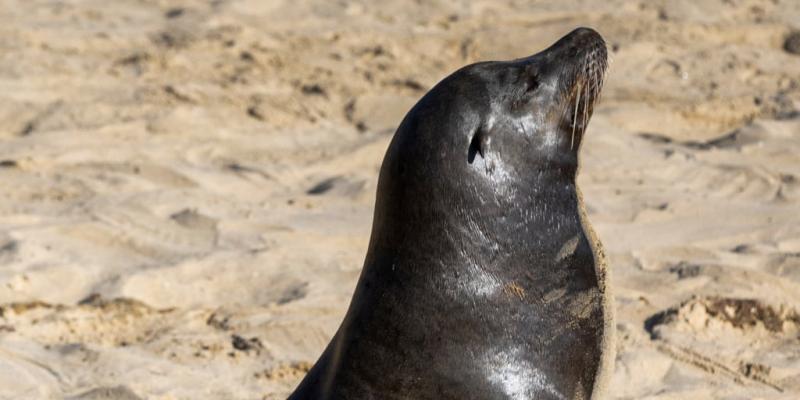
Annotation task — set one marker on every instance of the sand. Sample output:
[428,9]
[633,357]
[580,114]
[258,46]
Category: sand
[186,187]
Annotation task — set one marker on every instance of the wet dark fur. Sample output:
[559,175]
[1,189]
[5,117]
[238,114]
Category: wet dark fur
[480,281]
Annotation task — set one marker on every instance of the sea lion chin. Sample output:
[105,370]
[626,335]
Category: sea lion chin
[483,279]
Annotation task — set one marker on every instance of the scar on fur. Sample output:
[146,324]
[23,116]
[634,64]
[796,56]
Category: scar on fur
[514,289]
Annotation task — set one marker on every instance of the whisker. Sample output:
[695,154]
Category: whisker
[586,84]
[586,102]
[575,117]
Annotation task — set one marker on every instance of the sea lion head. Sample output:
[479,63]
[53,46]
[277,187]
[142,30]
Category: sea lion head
[498,127]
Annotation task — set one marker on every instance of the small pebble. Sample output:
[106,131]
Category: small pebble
[792,43]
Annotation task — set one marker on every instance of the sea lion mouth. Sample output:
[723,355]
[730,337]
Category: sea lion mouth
[583,82]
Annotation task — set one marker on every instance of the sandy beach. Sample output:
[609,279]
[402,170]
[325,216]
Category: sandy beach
[186,187]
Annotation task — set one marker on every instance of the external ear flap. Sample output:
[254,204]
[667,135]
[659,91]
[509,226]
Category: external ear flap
[479,144]
[531,78]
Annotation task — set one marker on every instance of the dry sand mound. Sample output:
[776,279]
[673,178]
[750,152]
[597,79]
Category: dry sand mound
[731,338]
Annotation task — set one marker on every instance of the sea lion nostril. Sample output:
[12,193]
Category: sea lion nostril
[585,38]
[585,33]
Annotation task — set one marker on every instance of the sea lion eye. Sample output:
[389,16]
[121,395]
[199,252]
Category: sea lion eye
[532,83]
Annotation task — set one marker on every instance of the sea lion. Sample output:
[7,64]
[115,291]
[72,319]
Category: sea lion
[483,279]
